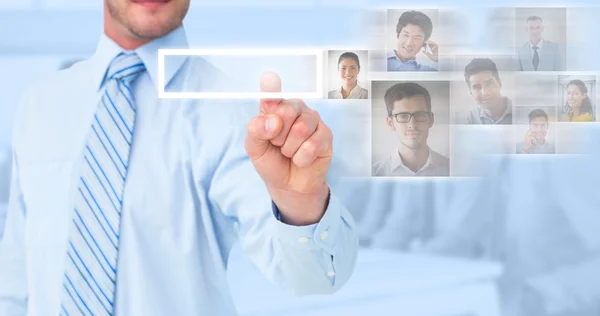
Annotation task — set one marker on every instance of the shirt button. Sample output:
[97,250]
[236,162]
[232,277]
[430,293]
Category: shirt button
[330,274]
[324,235]
[303,240]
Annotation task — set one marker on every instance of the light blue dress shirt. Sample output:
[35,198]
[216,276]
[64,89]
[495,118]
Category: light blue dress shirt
[191,193]
[395,64]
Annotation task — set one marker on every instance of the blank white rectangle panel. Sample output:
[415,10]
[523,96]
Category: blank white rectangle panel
[235,73]
[11,4]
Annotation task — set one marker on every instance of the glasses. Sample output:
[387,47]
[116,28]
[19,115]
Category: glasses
[404,117]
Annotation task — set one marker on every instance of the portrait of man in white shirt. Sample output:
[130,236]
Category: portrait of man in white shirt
[410,118]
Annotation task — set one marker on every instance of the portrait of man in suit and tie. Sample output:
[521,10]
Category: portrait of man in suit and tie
[539,54]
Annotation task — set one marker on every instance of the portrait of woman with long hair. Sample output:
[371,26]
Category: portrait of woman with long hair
[578,105]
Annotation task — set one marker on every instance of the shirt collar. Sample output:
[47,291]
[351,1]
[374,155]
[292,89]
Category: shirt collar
[412,61]
[544,145]
[539,45]
[396,161]
[107,50]
[484,115]
[352,92]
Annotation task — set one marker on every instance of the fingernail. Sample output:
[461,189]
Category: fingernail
[254,125]
[270,124]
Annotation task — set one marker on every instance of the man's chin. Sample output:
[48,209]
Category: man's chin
[150,30]
[412,144]
[148,25]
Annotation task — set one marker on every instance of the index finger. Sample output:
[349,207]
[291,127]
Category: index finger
[269,82]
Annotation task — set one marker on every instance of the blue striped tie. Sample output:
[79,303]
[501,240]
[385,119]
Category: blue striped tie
[91,263]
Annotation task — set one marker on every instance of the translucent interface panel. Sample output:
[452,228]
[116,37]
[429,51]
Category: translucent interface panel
[236,73]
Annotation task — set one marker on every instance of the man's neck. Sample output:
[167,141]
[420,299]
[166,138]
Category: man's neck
[413,159]
[535,43]
[402,59]
[496,111]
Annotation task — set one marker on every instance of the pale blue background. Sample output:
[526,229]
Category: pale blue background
[38,36]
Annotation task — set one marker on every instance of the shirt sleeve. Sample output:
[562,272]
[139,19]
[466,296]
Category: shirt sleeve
[312,259]
[13,285]
[390,64]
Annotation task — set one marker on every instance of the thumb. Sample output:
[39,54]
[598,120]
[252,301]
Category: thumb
[261,129]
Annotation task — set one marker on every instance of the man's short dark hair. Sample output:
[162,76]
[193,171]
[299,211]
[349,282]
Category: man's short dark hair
[349,55]
[404,90]
[416,18]
[534,18]
[478,65]
[537,113]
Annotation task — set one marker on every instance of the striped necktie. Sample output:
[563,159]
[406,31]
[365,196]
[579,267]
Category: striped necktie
[91,263]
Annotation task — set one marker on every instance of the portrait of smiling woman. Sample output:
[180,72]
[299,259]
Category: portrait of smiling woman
[347,73]
[577,101]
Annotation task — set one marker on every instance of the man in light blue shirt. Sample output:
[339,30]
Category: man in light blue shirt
[169,197]
[413,31]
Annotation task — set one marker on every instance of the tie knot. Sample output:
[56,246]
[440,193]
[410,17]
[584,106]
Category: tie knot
[125,67]
[535,47]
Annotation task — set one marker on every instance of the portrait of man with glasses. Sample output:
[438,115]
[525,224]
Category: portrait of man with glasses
[410,118]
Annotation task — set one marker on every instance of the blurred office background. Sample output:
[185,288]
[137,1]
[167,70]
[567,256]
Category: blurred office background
[522,240]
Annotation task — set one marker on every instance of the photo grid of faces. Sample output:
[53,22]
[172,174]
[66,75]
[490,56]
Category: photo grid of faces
[438,103]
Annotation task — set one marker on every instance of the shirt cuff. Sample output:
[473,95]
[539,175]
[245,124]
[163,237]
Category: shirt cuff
[321,235]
